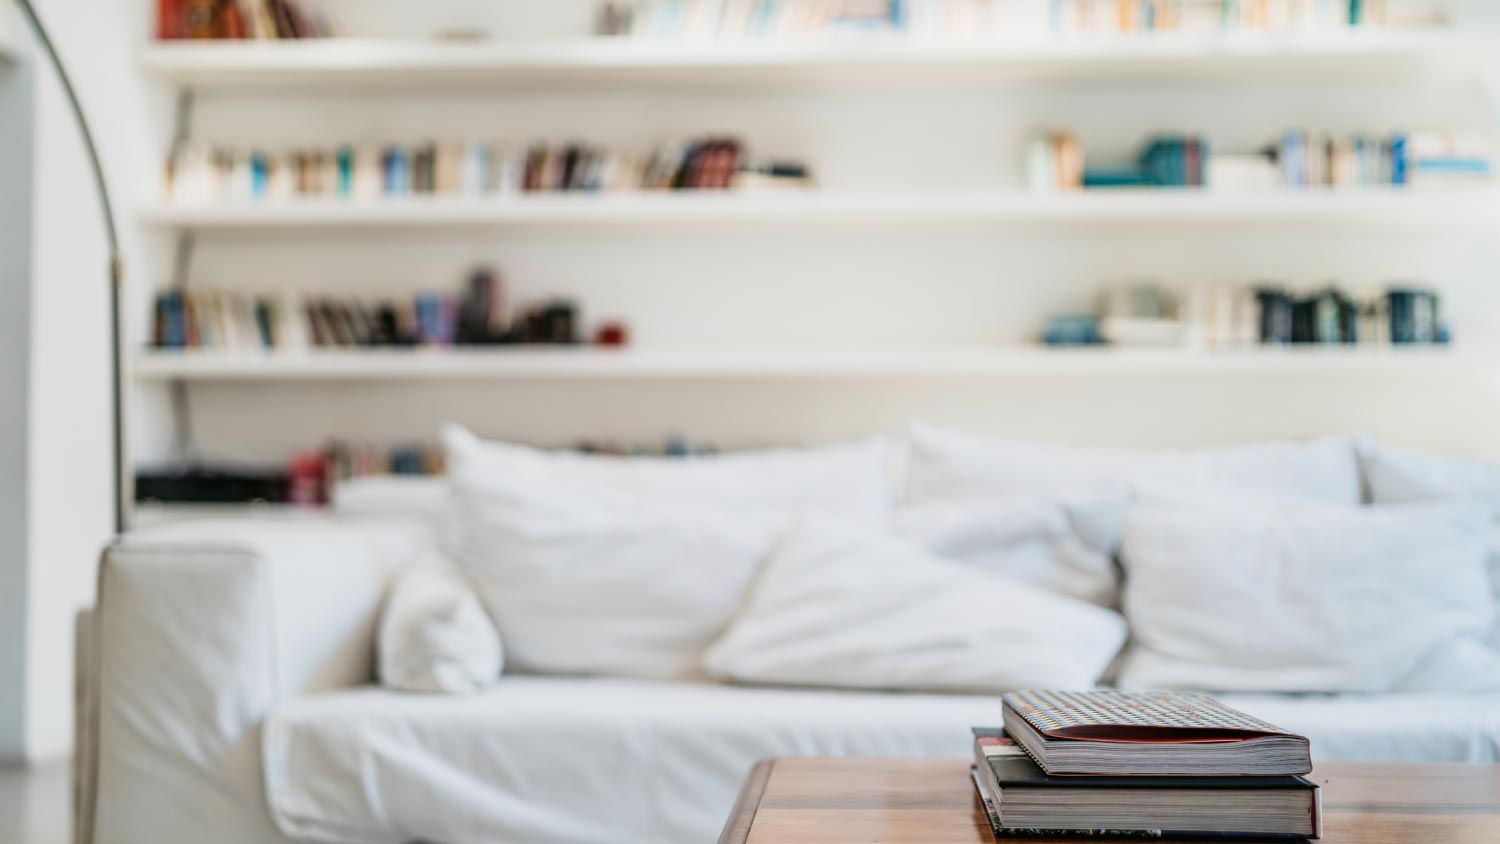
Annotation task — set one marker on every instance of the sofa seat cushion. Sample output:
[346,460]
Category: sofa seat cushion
[551,759]
[545,759]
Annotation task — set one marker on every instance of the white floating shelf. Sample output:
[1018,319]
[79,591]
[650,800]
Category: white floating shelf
[288,66]
[594,363]
[1478,206]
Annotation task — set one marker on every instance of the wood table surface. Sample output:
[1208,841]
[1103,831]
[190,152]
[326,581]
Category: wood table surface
[932,801]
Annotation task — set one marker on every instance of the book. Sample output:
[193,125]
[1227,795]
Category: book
[1023,801]
[1149,733]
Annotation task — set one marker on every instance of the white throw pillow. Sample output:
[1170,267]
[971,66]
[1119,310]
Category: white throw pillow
[435,635]
[851,480]
[948,464]
[588,578]
[1403,475]
[1306,598]
[1064,545]
[839,606]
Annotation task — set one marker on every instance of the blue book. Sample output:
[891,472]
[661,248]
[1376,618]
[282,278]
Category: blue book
[174,312]
[260,174]
[397,171]
[1398,160]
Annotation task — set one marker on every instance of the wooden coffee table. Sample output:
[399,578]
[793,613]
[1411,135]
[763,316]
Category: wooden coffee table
[932,801]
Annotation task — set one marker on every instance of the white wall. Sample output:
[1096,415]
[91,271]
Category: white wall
[67,473]
[16,144]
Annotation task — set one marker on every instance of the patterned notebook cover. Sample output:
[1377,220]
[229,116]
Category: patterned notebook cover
[1140,716]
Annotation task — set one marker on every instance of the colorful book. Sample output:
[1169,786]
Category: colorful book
[1023,801]
[1149,733]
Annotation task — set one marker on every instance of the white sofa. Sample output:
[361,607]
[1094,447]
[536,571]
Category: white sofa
[233,680]
[230,697]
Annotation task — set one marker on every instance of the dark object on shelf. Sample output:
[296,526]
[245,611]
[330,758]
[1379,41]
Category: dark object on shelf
[562,323]
[1414,316]
[1275,316]
[207,485]
[613,334]
[554,323]
[481,312]
[1072,331]
[1319,319]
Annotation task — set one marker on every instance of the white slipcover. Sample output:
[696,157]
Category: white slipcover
[548,760]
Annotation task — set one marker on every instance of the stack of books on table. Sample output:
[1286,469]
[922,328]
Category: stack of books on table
[1142,765]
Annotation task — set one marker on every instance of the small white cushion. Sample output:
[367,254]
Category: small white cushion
[1306,598]
[435,635]
[850,480]
[1062,544]
[951,464]
[837,605]
[584,577]
[1403,475]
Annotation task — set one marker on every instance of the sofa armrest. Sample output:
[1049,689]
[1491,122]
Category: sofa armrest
[201,630]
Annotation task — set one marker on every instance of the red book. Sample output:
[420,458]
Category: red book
[232,22]
[170,21]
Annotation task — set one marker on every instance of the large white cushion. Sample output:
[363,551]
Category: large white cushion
[1403,475]
[435,635]
[1303,598]
[1062,544]
[951,464]
[849,480]
[587,578]
[561,760]
[837,605]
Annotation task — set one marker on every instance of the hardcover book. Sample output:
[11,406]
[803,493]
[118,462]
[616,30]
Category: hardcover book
[1022,800]
[1149,733]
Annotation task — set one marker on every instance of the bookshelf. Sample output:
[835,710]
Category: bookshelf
[386,63]
[644,364]
[1450,207]
[908,283]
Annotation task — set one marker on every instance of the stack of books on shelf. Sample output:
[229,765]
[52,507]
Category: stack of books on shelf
[789,20]
[1054,160]
[1231,317]
[295,322]
[264,20]
[1142,765]
[205,174]
[1115,17]
[1319,159]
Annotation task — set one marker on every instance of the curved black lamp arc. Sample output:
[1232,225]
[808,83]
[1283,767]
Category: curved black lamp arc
[116,267]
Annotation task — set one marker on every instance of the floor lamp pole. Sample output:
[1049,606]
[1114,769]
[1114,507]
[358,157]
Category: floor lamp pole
[116,267]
